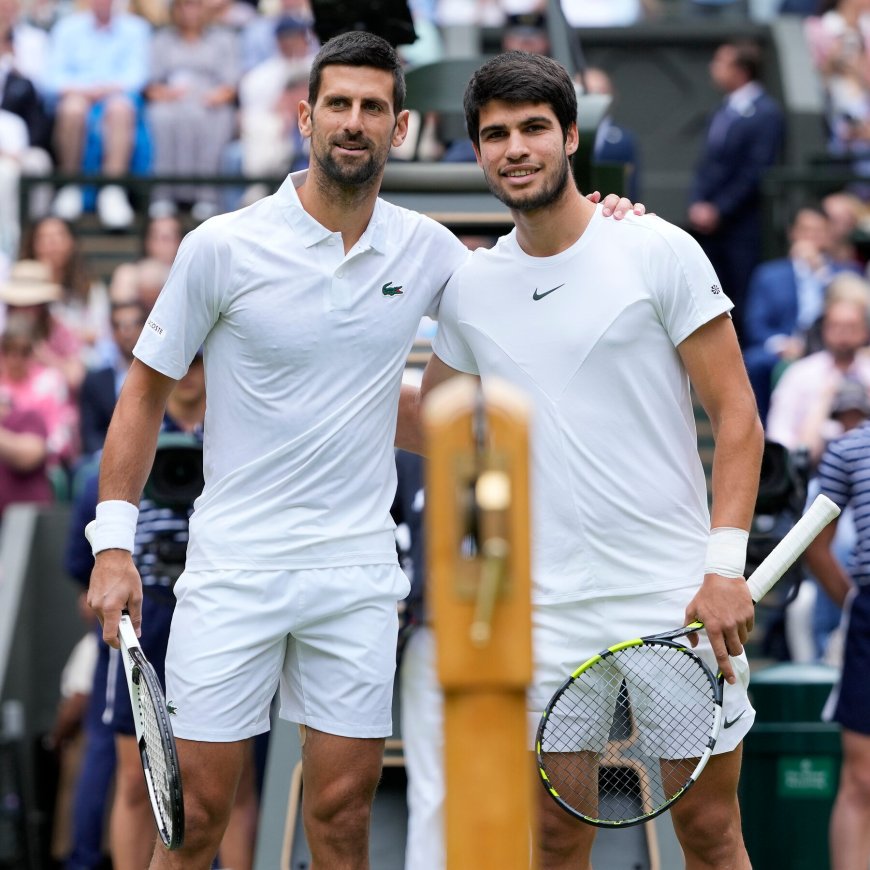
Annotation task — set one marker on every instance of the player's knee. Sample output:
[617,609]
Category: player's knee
[855,783]
[562,838]
[711,834]
[345,802]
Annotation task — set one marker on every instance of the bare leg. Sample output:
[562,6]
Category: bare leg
[118,131]
[707,819]
[237,846]
[563,842]
[340,775]
[131,829]
[210,773]
[850,820]
[69,132]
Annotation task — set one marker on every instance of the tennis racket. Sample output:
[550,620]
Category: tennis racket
[155,738]
[632,728]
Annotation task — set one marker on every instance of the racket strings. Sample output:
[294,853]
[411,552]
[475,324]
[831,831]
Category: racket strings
[161,775]
[625,736]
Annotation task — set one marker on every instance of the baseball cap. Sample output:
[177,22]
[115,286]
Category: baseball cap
[852,396]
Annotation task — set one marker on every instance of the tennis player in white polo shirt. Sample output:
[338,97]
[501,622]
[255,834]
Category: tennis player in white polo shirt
[605,327]
[307,304]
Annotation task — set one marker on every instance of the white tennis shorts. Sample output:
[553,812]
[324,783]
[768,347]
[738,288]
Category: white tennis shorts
[326,637]
[566,634]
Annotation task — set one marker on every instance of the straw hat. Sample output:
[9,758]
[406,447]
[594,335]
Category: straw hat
[29,283]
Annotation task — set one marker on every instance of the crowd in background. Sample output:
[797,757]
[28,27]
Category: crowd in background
[203,88]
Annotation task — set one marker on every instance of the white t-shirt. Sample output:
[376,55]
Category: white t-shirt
[304,353]
[618,491]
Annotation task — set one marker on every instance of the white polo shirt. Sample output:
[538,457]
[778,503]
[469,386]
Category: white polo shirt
[618,491]
[304,352]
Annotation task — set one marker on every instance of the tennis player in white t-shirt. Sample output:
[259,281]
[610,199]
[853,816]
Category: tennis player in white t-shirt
[307,304]
[606,326]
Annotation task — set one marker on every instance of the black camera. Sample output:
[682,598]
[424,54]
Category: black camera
[389,19]
[176,478]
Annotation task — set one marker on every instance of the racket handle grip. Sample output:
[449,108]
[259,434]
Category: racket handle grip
[789,549]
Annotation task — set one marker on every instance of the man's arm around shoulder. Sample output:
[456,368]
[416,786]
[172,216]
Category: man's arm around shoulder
[410,434]
[126,462]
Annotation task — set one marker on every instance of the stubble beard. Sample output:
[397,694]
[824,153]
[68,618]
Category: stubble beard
[350,177]
[548,194]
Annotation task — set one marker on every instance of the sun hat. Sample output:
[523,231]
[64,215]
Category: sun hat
[29,283]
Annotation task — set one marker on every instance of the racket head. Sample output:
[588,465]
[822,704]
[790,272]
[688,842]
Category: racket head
[629,732]
[157,751]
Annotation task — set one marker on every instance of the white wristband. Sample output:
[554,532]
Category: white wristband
[726,552]
[114,528]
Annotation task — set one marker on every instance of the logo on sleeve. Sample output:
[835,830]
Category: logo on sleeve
[389,290]
[156,328]
[716,289]
[536,296]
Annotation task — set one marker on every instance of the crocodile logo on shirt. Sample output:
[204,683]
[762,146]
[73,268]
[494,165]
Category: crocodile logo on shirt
[389,290]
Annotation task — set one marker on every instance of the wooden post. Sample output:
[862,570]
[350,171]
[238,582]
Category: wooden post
[479,582]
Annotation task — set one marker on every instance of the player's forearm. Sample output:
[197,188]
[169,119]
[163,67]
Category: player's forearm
[132,437]
[409,425]
[739,440]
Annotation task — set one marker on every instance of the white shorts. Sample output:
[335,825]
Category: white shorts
[325,636]
[567,634]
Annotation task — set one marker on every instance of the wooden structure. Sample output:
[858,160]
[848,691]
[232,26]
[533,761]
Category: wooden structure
[478,544]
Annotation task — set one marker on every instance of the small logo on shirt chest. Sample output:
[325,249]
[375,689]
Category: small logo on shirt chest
[536,295]
[389,290]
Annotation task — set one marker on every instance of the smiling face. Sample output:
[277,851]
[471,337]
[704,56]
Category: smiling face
[524,154]
[352,125]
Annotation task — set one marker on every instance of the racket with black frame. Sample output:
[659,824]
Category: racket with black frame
[631,729]
[155,738]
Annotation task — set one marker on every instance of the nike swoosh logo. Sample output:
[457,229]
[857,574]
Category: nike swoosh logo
[727,724]
[536,296]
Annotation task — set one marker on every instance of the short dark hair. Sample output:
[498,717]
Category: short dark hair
[358,48]
[748,57]
[520,77]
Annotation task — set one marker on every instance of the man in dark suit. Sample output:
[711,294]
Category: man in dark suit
[743,139]
[100,387]
[785,300]
[19,96]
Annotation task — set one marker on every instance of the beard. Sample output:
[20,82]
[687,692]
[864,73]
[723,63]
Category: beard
[547,195]
[359,174]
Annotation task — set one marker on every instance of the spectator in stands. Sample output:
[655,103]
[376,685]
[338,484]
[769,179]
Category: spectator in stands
[18,94]
[30,292]
[30,155]
[843,475]
[98,66]
[838,43]
[13,146]
[84,304]
[268,99]
[23,441]
[613,144]
[845,212]
[101,386]
[162,237]
[259,39]
[35,389]
[191,112]
[802,401]
[742,141]
[29,43]
[785,300]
